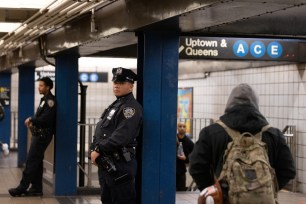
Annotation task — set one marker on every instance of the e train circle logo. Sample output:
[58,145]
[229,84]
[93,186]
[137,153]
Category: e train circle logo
[257,49]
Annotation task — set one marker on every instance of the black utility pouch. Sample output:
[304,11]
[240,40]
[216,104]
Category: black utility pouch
[126,154]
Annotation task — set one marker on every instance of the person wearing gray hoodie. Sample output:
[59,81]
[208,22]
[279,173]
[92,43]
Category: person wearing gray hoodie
[241,114]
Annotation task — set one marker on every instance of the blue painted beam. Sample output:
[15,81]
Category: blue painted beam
[65,169]
[26,98]
[160,82]
[5,124]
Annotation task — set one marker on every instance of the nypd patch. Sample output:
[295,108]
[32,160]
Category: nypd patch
[50,103]
[128,112]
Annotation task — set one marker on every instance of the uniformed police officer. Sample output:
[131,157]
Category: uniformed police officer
[42,126]
[113,147]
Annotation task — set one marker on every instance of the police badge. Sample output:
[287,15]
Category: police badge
[128,112]
[119,71]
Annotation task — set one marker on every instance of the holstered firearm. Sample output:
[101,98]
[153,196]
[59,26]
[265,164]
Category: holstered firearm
[124,154]
[106,162]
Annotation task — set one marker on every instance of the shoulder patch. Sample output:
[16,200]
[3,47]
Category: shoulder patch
[128,112]
[50,103]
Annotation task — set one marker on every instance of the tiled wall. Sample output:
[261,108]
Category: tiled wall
[282,99]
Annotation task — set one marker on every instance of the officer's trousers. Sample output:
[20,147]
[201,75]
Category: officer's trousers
[181,182]
[33,172]
[119,191]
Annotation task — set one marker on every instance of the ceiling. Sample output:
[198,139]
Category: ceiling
[15,16]
[117,21]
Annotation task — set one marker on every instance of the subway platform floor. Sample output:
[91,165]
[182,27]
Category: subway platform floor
[10,176]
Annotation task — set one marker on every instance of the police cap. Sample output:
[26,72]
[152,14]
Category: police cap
[123,75]
[47,81]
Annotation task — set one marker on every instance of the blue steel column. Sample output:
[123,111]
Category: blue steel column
[66,73]
[139,98]
[5,124]
[160,82]
[26,98]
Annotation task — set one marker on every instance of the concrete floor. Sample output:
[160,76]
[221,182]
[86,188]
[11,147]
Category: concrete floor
[10,177]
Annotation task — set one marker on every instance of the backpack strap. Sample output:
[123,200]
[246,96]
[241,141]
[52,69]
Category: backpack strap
[232,133]
[235,134]
[263,129]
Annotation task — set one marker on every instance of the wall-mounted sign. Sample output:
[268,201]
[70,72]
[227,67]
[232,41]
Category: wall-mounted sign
[192,47]
[83,76]
[93,76]
[41,74]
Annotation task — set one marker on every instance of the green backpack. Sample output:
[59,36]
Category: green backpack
[246,170]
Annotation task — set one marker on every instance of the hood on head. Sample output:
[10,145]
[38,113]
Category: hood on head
[243,94]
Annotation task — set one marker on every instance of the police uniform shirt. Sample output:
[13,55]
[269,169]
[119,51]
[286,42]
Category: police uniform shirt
[46,111]
[119,125]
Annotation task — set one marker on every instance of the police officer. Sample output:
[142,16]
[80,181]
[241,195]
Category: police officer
[113,146]
[42,126]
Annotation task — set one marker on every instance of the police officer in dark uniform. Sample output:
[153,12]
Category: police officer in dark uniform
[42,127]
[113,146]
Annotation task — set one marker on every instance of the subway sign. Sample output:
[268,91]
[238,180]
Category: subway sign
[83,76]
[192,47]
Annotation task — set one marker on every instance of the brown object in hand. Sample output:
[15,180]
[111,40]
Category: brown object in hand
[211,192]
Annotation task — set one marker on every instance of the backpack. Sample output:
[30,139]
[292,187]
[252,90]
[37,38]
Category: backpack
[246,169]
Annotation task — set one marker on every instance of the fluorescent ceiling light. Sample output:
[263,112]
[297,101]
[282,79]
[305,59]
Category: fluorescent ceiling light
[36,4]
[8,27]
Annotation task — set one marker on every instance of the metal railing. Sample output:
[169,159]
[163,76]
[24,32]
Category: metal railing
[195,125]
[89,132]
[291,137]
[14,130]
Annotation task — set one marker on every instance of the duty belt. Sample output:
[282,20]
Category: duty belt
[125,154]
[40,131]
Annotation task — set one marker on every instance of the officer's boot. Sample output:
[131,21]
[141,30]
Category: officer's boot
[18,191]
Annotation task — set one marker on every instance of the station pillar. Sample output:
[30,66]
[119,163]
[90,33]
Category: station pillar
[26,97]
[65,162]
[158,74]
[5,124]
